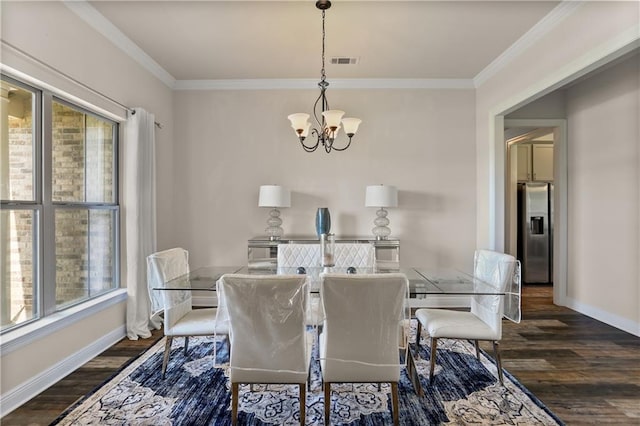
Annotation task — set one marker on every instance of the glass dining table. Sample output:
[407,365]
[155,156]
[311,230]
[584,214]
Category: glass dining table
[423,281]
[425,284]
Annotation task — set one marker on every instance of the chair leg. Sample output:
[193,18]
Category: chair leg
[394,403]
[303,403]
[432,361]
[327,403]
[186,344]
[477,349]
[234,403]
[167,351]
[496,354]
[418,333]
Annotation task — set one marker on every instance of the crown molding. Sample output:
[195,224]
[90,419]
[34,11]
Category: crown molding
[98,22]
[356,83]
[101,24]
[539,30]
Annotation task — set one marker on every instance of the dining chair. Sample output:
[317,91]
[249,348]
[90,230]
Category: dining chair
[357,255]
[180,319]
[361,332]
[267,331]
[298,255]
[484,320]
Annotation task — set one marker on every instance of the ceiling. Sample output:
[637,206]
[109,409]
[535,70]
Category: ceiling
[218,40]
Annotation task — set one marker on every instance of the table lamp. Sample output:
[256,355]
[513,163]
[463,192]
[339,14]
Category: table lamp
[274,196]
[381,196]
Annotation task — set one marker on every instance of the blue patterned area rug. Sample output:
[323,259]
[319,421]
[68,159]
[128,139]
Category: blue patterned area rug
[464,391]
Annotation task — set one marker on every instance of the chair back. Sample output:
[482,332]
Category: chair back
[495,270]
[358,255]
[361,330]
[164,266]
[266,325]
[295,255]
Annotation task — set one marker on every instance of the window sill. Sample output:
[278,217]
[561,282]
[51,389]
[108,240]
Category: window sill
[16,339]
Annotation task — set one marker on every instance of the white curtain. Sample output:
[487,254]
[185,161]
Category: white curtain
[140,218]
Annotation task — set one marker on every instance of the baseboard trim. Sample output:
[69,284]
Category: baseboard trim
[613,320]
[37,384]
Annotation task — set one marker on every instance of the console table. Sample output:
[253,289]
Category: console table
[263,252]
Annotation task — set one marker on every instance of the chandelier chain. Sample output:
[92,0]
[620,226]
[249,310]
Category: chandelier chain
[323,75]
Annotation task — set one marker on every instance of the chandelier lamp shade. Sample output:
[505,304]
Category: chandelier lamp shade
[274,196]
[381,196]
[329,120]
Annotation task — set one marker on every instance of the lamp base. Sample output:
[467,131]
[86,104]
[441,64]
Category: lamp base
[274,231]
[381,230]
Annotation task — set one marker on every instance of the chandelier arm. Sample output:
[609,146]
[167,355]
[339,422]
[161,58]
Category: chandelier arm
[341,149]
[328,146]
[310,148]
[324,106]
[307,149]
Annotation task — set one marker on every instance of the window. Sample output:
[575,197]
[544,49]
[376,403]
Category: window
[60,214]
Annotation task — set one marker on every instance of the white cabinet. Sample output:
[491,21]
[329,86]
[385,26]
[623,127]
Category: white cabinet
[524,162]
[535,162]
[542,162]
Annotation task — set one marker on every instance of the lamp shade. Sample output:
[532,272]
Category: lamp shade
[298,120]
[333,117]
[351,125]
[274,196]
[381,196]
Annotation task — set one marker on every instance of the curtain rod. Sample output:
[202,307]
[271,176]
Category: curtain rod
[73,80]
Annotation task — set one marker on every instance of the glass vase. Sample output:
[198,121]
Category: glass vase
[323,221]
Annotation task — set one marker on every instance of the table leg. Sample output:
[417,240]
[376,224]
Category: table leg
[413,373]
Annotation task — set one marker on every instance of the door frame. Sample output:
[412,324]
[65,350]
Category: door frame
[606,53]
[560,194]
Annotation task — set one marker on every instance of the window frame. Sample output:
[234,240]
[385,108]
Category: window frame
[44,260]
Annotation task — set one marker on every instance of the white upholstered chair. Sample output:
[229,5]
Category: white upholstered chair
[269,341]
[361,331]
[484,320]
[358,255]
[296,255]
[180,319]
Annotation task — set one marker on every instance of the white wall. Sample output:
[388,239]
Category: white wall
[552,106]
[228,143]
[593,33]
[604,203]
[53,34]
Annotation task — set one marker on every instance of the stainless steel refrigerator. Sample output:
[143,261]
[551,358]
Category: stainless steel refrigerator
[535,232]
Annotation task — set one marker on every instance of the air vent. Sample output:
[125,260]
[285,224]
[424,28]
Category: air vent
[343,60]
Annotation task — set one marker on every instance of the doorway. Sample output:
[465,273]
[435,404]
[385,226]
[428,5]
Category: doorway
[529,199]
[552,133]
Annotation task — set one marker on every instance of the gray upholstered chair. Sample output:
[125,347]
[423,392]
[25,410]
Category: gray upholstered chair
[361,331]
[267,331]
[180,319]
[484,320]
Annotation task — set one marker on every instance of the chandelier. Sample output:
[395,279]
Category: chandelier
[329,124]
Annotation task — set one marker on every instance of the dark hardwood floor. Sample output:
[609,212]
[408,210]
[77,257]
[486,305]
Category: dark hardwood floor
[585,371]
